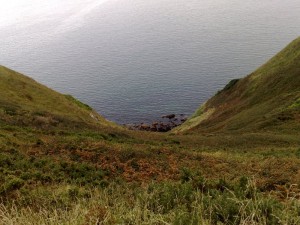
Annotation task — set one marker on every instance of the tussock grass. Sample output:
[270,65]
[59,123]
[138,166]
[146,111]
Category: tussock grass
[194,201]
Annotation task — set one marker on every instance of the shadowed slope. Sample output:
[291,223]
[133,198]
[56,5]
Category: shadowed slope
[267,99]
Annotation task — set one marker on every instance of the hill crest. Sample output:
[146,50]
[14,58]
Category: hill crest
[26,102]
[267,99]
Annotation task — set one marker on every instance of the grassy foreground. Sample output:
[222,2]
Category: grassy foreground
[119,177]
[194,201]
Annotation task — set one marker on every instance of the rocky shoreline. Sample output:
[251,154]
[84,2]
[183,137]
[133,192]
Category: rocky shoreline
[167,123]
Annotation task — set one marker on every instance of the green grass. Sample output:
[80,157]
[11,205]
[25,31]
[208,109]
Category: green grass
[257,102]
[296,104]
[23,96]
[229,85]
[77,102]
[195,201]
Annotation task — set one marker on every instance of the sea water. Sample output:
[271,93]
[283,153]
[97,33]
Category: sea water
[136,60]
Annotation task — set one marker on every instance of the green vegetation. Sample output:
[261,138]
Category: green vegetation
[296,104]
[164,203]
[229,85]
[264,100]
[77,102]
[236,161]
[27,100]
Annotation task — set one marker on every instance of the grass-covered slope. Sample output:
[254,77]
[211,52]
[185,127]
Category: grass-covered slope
[26,102]
[267,99]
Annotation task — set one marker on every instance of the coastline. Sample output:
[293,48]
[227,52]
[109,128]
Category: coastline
[164,124]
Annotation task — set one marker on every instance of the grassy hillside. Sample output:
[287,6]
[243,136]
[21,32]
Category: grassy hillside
[62,163]
[268,99]
[23,101]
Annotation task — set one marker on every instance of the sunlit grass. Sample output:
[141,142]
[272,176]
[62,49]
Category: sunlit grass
[195,201]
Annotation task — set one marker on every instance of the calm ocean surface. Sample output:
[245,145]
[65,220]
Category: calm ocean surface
[135,60]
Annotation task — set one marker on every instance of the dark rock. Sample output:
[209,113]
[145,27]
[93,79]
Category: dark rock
[145,127]
[170,116]
[154,129]
[159,126]
[155,123]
